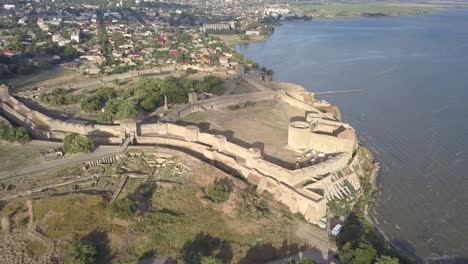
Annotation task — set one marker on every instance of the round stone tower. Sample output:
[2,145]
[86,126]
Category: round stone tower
[298,134]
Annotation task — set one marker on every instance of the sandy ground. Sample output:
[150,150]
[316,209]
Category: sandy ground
[264,125]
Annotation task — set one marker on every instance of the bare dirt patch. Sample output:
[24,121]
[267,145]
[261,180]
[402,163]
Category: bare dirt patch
[263,125]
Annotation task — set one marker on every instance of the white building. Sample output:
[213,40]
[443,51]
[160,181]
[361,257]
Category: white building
[75,36]
[9,7]
[252,32]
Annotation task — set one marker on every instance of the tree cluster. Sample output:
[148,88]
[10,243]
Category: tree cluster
[13,134]
[59,97]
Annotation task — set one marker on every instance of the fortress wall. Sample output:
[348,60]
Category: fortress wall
[278,182]
[296,103]
[114,130]
[297,96]
[225,101]
[106,140]
[290,87]
[58,125]
[331,123]
[58,135]
[330,144]
[41,117]
[237,150]
[206,138]
[148,128]
[186,111]
[16,117]
[176,130]
[324,128]
[12,113]
[326,167]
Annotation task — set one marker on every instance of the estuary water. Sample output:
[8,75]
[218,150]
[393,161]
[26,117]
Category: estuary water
[412,111]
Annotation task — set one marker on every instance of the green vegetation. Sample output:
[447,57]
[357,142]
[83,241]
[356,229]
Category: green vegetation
[21,65]
[218,192]
[83,252]
[359,242]
[210,260]
[123,208]
[361,254]
[238,39]
[386,260]
[148,94]
[58,97]
[252,206]
[17,156]
[303,261]
[241,106]
[75,143]
[13,134]
[370,10]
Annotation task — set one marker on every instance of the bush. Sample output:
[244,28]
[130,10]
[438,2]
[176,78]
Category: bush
[363,253]
[123,208]
[91,104]
[217,193]
[83,252]
[210,260]
[75,143]
[13,134]
[43,65]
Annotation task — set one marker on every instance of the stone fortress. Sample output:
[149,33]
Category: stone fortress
[305,189]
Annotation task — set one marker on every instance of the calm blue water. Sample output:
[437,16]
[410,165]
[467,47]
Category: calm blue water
[413,111]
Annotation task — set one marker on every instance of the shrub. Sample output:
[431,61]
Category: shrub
[123,208]
[13,134]
[75,143]
[217,193]
[363,253]
[43,65]
[210,260]
[83,252]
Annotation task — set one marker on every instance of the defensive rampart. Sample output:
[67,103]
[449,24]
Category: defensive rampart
[287,186]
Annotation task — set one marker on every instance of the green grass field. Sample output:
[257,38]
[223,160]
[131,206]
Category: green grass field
[357,10]
[14,156]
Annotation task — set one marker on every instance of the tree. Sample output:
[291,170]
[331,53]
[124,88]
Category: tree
[69,53]
[128,109]
[75,143]
[363,253]
[123,208]
[83,252]
[91,104]
[386,260]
